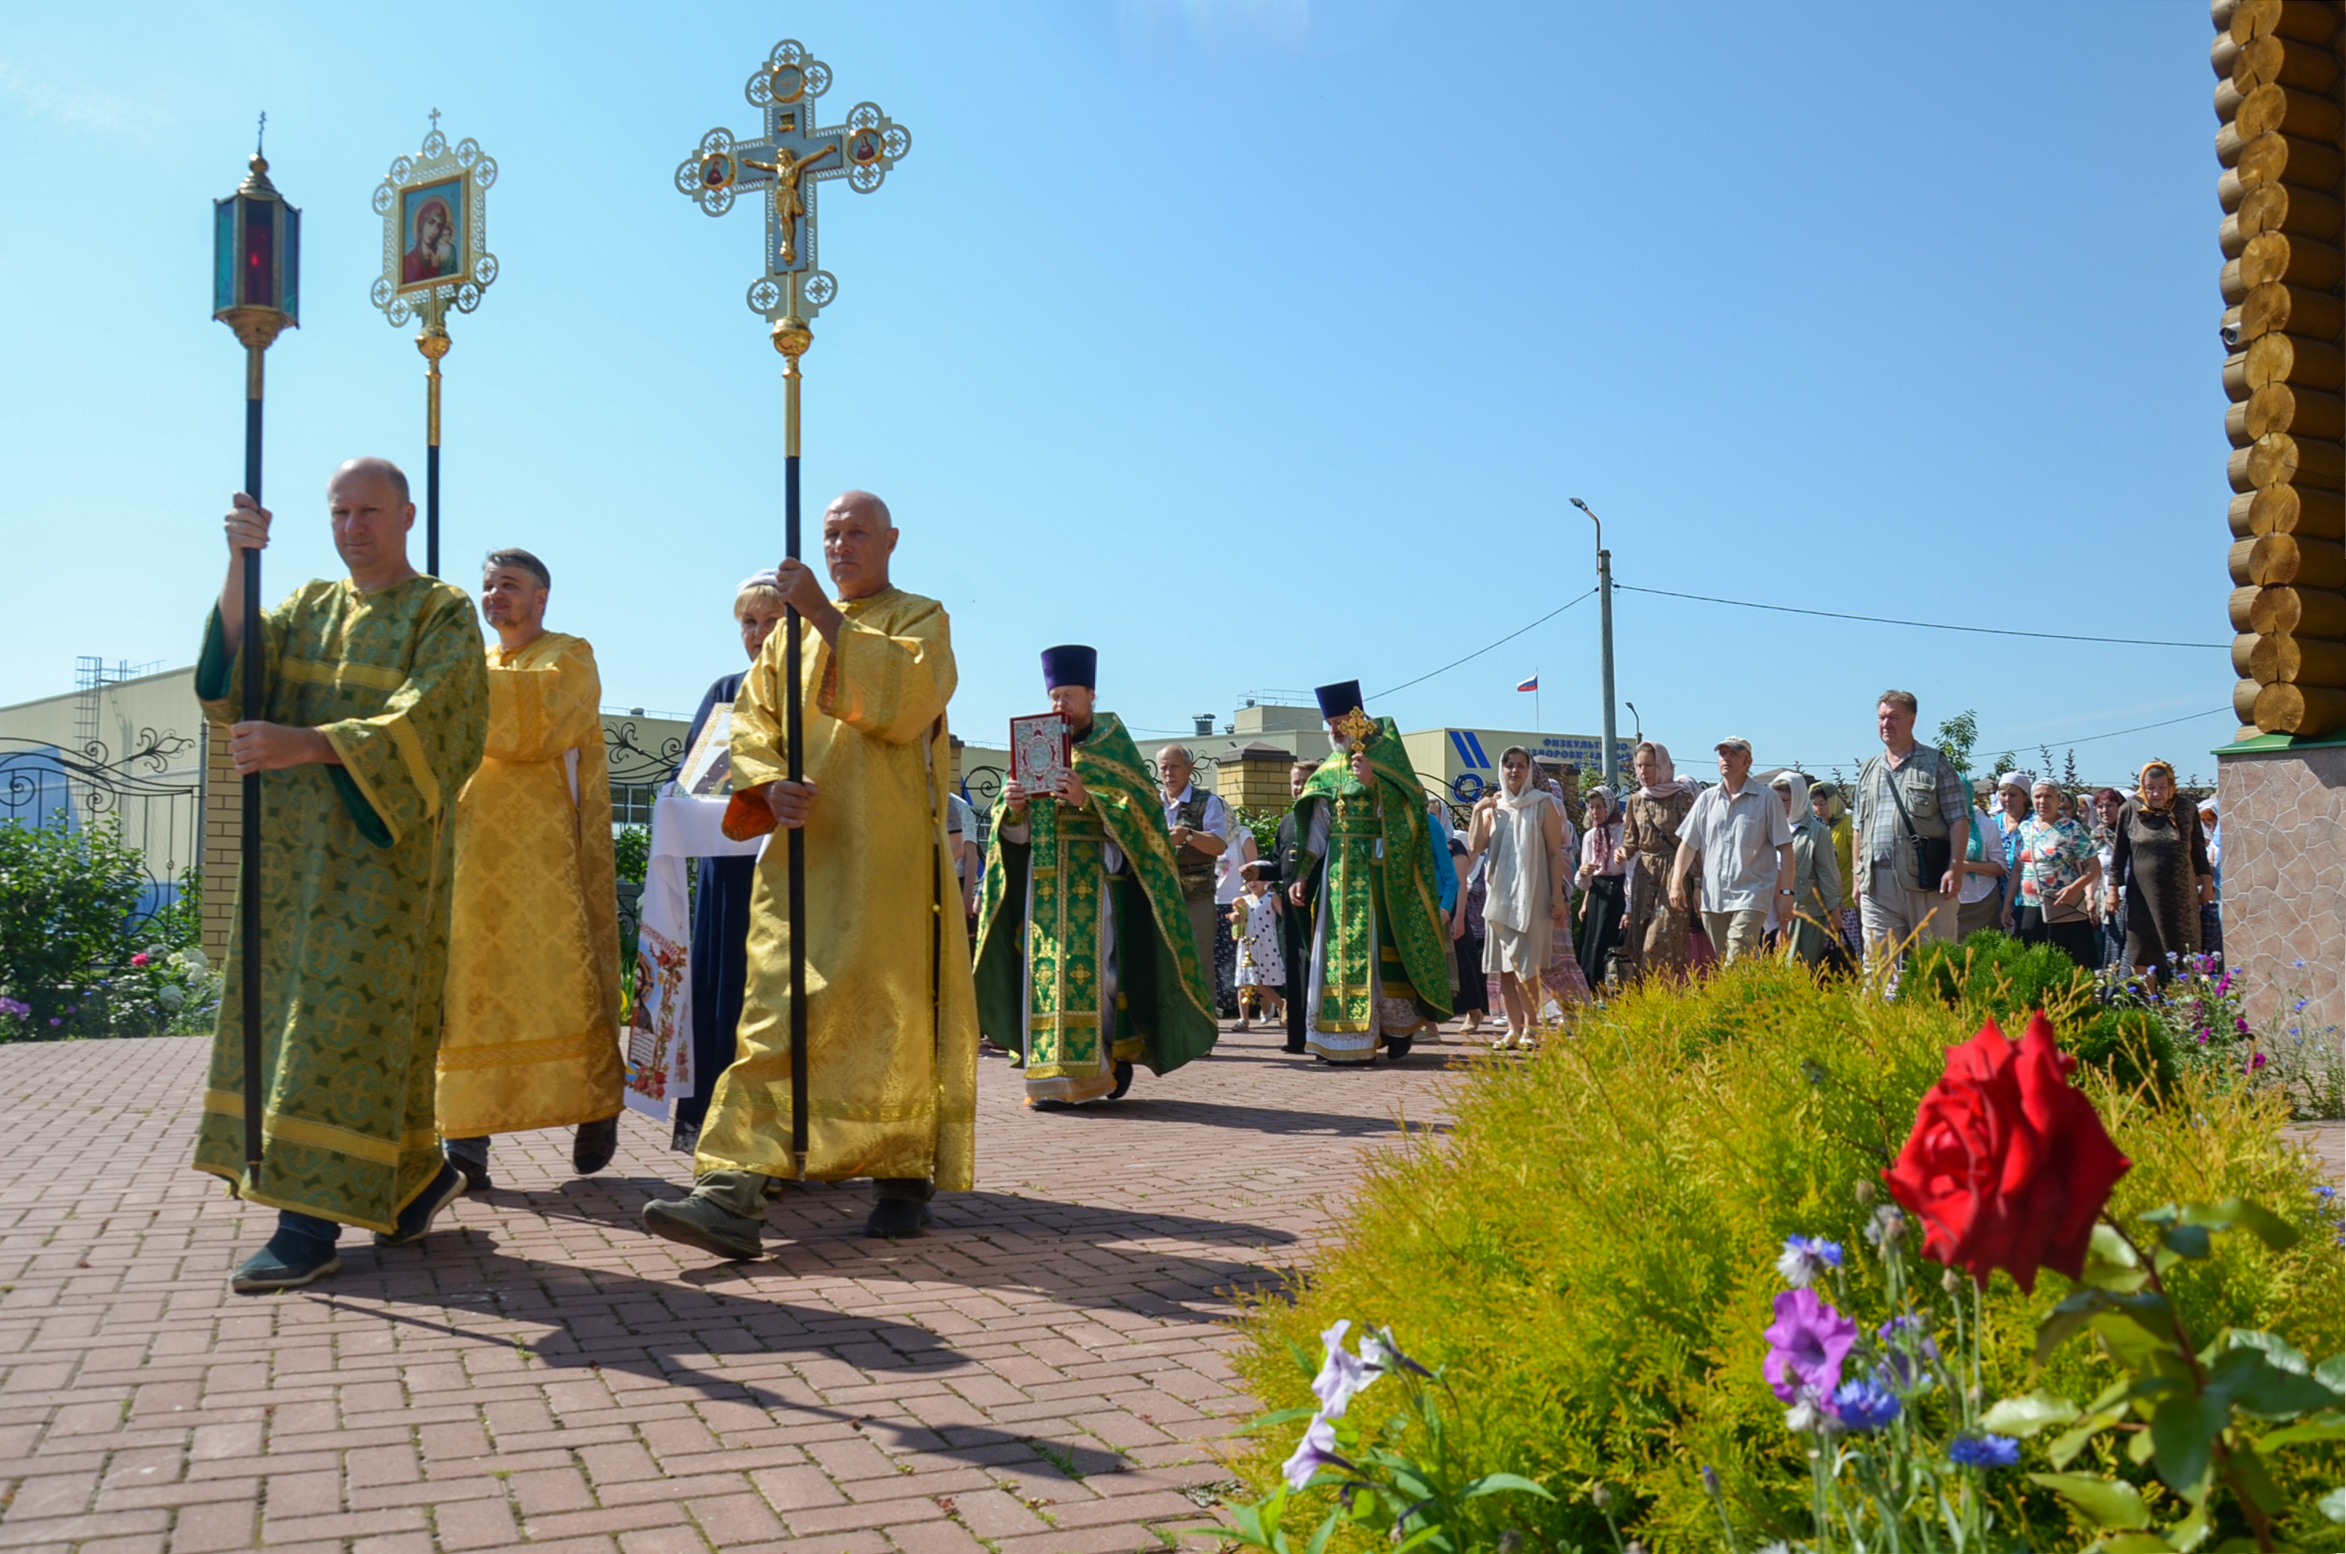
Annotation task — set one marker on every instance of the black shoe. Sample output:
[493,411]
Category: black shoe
[1397,1047]
[1294,1047]
[1123,1081]
[476,1177]
[592,1147]
[415,1221]
[895,1219]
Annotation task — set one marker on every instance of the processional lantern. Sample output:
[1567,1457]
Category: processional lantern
[788,162]
[256,292]
[435,210]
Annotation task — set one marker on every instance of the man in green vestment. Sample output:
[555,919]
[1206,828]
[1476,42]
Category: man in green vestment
[1086,961]
[376,708]
[1365,866]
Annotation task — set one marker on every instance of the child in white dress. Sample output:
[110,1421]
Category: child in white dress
[1262,971]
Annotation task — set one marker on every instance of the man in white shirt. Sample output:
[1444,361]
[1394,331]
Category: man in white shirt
[1200,824]
[1733,829]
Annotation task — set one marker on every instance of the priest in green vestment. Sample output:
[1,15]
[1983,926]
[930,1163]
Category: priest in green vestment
[1365,867]
[1086,963]
[376,708]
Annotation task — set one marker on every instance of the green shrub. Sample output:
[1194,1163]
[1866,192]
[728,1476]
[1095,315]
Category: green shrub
[1591,1249]
[1994,975]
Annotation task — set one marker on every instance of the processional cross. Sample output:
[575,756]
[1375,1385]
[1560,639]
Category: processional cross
[794,288]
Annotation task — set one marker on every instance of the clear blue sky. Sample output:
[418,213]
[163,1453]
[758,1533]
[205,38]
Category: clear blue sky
[1259,342]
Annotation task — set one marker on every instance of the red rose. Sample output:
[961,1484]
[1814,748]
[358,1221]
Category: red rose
[2007,1166]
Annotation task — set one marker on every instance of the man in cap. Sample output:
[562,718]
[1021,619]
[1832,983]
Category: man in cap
[1379,948]
[1086,963]
[891,1016]
[1742,834]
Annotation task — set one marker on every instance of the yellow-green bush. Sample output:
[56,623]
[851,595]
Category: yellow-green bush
[1591,1249]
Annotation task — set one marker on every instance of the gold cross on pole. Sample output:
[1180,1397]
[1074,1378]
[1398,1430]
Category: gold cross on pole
[786,162]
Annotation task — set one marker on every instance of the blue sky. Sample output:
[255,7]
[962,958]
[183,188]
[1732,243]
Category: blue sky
[1259,342]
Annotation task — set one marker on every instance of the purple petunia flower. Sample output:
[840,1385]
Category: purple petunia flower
[1315,1451]
[1806,1345]
[1984,1451]
[1864,1406]
[1806,1259]
[1340,1374]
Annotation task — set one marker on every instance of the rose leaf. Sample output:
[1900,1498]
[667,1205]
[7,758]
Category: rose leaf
[2270,1228]
[2183,1439]
[2027,1414]
[2109,1502]
[2322,1427]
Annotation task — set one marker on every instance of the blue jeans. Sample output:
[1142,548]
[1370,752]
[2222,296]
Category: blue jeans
[320,1233]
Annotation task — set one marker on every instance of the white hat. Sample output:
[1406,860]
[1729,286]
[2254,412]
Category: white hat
[2013,780]
[2207,806]
[769,578]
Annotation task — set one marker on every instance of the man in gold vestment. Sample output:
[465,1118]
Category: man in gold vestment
[371,721]
[532,1039]
[891,1012]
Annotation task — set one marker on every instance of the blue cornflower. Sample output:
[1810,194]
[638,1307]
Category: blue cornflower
[2325,1191]
[1806,1258]
[1864,1405]
[1984,1451]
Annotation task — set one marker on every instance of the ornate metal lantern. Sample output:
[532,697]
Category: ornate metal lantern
[256,260]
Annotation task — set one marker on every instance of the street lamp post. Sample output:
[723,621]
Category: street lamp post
[1605,616]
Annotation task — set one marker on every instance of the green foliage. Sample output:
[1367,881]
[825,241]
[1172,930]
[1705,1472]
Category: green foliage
[1956,736]
[2203,1419]
[1264,823]
[1590,1250]
[631,852]
[1998,976]
[1404,1479]
[65,902]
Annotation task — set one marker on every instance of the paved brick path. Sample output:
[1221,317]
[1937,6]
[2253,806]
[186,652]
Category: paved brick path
[1042,1373]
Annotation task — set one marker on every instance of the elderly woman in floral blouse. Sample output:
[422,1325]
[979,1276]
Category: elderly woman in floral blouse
[2056,864]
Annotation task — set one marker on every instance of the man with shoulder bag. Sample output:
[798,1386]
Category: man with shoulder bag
[1912,824]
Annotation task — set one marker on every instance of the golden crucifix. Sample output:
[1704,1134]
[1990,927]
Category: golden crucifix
[788,207]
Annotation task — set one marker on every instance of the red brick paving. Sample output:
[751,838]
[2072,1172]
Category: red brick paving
[1042,1373]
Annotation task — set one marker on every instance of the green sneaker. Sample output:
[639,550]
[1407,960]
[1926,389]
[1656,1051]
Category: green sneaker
[286,1263]
[725,1215]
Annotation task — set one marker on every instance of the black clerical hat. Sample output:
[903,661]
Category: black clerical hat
[1071,663]
[1338,699]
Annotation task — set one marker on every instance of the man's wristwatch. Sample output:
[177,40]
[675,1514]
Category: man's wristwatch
[1783,892]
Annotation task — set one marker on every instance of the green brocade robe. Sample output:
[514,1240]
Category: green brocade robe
[1379,945]
[356,862]
[1053,925]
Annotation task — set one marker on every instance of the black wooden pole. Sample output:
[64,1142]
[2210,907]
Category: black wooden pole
[794,716]
[256,1084]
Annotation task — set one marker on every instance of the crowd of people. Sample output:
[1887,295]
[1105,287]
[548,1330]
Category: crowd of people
[438,960]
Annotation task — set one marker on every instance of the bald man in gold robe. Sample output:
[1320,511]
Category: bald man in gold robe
[891,1011]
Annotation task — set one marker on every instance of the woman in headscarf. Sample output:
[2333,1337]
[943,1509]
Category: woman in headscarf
[2054,871]
[1654,938]
[2211,911]
[1523,831]
[2111,942]
[1560,978]
[2159,859]
[1811,927]
[720,904]
[1601,877]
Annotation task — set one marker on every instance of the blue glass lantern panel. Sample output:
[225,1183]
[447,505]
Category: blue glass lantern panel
[292,273]
[223,255]
[258,288]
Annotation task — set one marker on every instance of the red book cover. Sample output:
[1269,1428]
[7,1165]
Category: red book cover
[1038,752]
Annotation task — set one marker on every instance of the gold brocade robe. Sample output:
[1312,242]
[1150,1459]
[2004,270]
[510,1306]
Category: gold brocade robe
[354,895]
[532,1034]
[891,1010]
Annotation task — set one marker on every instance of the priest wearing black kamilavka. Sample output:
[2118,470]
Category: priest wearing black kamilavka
[1378,959]
[1086,962]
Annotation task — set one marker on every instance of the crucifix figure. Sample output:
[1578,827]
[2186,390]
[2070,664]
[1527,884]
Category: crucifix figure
[788,205]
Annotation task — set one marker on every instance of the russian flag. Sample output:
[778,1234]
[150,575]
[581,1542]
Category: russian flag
[1531,684]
